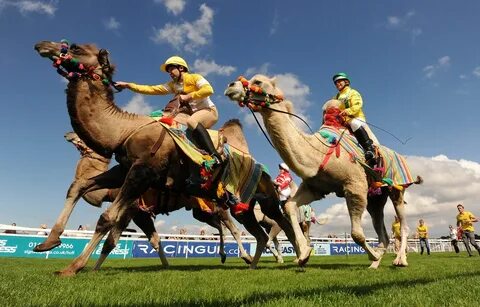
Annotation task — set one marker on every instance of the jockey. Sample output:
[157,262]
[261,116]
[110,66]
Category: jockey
[352,112]
[194,92]
[282,182]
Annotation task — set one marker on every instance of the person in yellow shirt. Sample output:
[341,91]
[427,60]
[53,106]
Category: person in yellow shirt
[194,91]
[422,232]
[352,112]
[465,220]
[396,234]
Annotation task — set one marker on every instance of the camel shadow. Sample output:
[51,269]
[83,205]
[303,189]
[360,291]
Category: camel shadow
[354,290]
[236,266]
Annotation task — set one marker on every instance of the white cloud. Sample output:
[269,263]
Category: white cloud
[138,105]
[275,23]
[263,69]
[442,63]
[396,22]
[111,24]
[160,223]
[187,35]
[27,6]
[173,6]
[403,23]
[447,182]
[205,68]
[476,71]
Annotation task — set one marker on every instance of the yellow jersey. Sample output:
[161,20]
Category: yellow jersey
[352,103]
[396,229]
[193,84]
[465,220]
[422,231]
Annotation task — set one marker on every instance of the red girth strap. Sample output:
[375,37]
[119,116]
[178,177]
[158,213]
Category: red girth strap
[335,147]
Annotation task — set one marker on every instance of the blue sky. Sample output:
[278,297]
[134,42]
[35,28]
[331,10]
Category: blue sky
[416,64]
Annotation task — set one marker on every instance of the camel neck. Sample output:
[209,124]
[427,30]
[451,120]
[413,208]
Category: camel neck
[293,145]
[96,118]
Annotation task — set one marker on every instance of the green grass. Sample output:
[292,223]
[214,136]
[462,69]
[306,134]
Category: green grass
[442,279]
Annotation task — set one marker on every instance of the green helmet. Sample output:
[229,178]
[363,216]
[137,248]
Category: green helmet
[340,76]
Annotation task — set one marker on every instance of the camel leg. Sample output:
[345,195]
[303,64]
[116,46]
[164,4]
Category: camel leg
[302,197]
[53,239]
[227,221]
[397,199]
[272,237]
[272,228]
[375,208]
[214,221]
[112,178]
[269,204]
[306,230]
[136,183]
[113,238]
[251,225]
[356,204]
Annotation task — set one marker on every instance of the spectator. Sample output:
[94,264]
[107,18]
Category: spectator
[12,231]
[282,182]
[453,238]
[202,233]
[422,232]
[465,220]
[42,232]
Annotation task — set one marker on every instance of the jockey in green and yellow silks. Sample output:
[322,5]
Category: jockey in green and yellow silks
[351,110]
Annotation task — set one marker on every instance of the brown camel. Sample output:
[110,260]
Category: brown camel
[304,154]
[107,130]
[92,164]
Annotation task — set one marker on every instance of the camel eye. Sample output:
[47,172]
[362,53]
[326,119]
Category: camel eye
[257,82]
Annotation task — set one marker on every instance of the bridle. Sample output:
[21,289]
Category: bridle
[71,69]
[256,97]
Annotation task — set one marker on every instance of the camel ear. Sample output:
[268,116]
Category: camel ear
[274,81]
[103,57]
[104,62]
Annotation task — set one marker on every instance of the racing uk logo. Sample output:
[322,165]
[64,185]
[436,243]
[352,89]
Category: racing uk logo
[7,249]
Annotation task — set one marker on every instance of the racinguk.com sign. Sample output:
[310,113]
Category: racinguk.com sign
[185,249]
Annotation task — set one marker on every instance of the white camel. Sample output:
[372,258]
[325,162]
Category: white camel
[304,154]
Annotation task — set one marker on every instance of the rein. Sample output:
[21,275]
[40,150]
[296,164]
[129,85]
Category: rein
[254,104]
[71,69]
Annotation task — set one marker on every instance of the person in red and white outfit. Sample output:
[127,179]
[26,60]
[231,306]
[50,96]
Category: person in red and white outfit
[282,182]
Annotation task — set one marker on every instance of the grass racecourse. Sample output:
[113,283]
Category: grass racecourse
[442,279]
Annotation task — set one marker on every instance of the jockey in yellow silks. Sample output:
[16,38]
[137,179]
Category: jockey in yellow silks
[194,92]
[351,110]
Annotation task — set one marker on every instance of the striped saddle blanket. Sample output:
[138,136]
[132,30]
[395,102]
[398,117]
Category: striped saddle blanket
[392,166]
[242,173]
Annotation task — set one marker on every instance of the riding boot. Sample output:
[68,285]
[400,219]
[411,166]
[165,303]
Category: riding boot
[202,139]
[367,144]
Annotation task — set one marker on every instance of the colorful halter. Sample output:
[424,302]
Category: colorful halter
[252,95]
[71,68]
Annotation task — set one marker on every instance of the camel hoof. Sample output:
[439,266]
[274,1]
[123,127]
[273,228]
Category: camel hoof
[280,260]
[400,263]
[374,265]
[374,256]
[46,246]
[248,260]
[303,259]
[295,260]
[223,258]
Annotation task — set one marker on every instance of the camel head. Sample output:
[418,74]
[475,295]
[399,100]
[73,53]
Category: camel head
[260,91]
[75,60]
[73,138]
[332,103]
